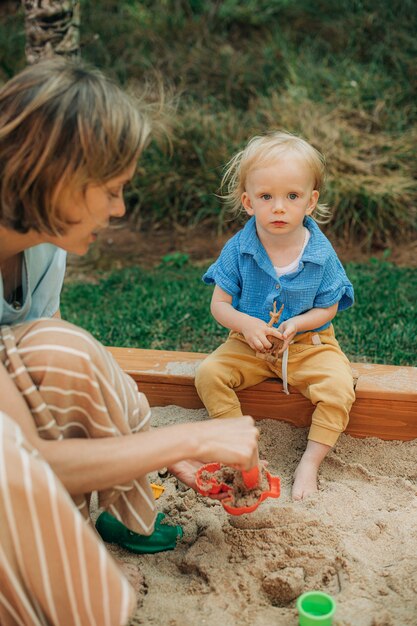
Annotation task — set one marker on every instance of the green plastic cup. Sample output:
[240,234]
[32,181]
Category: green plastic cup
[315,608]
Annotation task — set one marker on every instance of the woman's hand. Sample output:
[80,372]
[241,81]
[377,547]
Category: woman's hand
[232,441]
[185,472]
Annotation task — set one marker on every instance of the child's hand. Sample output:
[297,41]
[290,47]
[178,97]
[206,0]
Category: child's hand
[256,332]
[288,330]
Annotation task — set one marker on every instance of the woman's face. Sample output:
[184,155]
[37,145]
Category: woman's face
[89,212]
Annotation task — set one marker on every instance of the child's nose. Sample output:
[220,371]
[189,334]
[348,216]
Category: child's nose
[278,206]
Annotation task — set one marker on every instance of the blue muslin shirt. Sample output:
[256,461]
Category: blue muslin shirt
[43,271]
[244,271]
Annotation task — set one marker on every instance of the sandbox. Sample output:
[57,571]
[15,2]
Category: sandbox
[356,540]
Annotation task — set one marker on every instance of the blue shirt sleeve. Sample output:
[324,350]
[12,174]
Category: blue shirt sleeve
[225,271]
[335,286]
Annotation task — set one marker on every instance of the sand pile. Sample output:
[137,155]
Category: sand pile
[356,539]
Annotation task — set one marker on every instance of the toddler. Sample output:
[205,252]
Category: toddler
[280,260]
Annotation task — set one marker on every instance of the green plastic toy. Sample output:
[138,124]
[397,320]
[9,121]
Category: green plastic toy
[315,608]
[164,537]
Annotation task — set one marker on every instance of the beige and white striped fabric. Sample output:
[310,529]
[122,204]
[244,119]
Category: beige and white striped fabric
[53,568]
[75,389]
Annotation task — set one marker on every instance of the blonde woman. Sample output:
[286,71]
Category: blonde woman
[71,422]
[280,260]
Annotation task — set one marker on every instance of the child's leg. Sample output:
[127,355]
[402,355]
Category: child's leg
[233,366]
[323,374]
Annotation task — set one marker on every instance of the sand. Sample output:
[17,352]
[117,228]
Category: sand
[356,539]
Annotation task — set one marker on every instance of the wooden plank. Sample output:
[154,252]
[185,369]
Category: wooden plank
[385,406]
[368,418]
[386,381]
[385,419]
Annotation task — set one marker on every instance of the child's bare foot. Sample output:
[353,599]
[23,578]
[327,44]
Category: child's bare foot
[305,480]
[305,476]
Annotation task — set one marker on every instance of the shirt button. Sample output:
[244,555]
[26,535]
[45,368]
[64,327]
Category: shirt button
[278,286]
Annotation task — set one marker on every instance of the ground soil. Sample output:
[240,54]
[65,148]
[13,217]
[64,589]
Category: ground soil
[121,245]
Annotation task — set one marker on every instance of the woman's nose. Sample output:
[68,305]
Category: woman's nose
[118,209]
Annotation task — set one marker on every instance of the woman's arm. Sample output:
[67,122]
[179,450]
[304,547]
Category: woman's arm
[254,330]
[85,465]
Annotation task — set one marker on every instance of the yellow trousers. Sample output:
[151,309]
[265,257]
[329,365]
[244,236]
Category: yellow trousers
[316,366]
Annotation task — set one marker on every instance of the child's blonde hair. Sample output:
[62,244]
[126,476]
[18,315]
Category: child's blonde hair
[61,124]
[263,149]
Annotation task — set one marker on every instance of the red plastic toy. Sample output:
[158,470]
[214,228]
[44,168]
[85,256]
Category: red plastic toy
[209,485]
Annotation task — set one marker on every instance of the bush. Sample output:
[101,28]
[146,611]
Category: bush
[341,74]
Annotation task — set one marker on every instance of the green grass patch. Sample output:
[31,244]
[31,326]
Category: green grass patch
[168,308]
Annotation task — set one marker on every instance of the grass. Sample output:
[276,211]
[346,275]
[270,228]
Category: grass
[167,308]
[341,74]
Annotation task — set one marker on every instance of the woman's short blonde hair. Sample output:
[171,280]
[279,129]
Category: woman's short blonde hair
[62,125]
[262,150]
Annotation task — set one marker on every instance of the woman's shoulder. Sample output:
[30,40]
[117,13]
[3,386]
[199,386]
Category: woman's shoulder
[41,257]
[45,252]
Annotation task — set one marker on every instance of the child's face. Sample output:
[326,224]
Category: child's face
[280,195]
[89,212]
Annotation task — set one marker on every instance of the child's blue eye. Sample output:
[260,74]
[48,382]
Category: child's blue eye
[266,196]
[292,196]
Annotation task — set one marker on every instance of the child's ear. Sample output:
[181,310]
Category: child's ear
[246,203]
[314,198]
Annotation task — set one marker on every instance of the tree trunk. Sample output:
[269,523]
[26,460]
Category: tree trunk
[52,28]
[7,7]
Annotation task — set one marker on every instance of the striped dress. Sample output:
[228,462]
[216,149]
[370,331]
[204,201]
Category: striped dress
[53,567]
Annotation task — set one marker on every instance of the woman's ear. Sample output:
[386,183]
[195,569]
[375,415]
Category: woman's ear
[314,198]
[246,203]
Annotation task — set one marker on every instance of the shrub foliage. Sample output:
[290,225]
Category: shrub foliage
[342,74]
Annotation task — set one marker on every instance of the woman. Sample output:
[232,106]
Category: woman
[71,422]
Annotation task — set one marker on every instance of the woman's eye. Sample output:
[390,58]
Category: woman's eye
[292,196]
[114,193]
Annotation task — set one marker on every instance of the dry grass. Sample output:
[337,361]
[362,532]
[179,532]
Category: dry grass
[340,74]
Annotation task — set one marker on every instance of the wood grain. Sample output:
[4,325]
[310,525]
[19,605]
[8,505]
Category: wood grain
[385,406]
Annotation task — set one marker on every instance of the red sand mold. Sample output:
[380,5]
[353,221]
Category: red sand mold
[214,478]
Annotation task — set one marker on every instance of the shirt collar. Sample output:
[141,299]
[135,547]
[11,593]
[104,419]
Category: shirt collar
[251,244]
[316,250]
